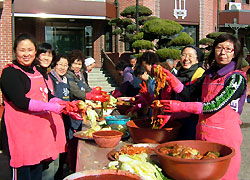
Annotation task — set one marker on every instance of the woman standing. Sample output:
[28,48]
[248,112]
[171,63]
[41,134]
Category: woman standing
[33,136]
[223,95]
[79,90]
[89,64]
[75,75]
[191,71]
[59,67]
[44,56]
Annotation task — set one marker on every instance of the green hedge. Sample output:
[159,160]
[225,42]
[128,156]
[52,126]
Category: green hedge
[166,53]
[182,40]
[214,35]
[131,11]
[206,41]
[142,44]
[160,27]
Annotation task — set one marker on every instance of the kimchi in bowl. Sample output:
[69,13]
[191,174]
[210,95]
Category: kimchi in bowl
[193,169]
[141,131]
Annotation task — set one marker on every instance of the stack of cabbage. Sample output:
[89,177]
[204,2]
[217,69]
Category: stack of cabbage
[139,164]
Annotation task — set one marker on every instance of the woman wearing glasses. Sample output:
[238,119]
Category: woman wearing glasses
[58,72]
[223,95]
[191,60]
[191,71]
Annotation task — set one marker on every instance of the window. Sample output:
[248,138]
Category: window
[64,39]
[192,31]
[128,46]
[108,39]
[245,1]
[88,31]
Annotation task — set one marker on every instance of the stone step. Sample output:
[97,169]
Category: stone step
[98,77]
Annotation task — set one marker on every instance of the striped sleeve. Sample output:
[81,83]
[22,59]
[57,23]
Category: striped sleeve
[234,87]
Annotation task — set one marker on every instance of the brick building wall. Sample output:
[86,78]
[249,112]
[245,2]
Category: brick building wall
[98,42]
[123,4]
[5,34]
[151,5]
[207,21]
[157,8]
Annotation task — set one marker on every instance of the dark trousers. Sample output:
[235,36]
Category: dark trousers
[72,153]
[188,129]
[60,172]
[33,172]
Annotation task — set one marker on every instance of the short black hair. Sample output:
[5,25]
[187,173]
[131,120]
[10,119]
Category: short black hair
[199,53]
[22,37]
[139,70]
[121,65]
[238,52]
[57,58]
[150,58]
[76,54]
[132,57]
[45,47]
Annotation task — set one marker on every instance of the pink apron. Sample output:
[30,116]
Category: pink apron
[221,127]
[33,136]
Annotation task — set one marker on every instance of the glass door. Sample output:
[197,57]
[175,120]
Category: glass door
[64,39]
[88,41]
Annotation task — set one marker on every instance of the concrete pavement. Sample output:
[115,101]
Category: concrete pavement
[245,147]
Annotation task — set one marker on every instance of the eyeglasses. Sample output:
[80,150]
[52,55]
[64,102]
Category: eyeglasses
[226,49]
[62,65]
[188,56]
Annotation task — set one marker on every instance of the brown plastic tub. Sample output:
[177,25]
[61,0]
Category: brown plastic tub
[122,109]
[141,131]
[104,174]
[107,139]
[188,169]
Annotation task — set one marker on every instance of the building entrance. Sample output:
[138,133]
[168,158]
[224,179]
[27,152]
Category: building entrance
[64,39]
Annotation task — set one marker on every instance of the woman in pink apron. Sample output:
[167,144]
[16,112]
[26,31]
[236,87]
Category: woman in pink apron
[44,56]
[222,93]
[34,132]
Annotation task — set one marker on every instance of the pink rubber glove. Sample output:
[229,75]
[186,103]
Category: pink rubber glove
[165,118]
[166,92]
[173,81]
[40,106]
[178,106]
[96,97]
[140,100]
[116,93]
[135,108]
[58,100]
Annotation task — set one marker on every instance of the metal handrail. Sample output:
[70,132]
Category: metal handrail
[106,56]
